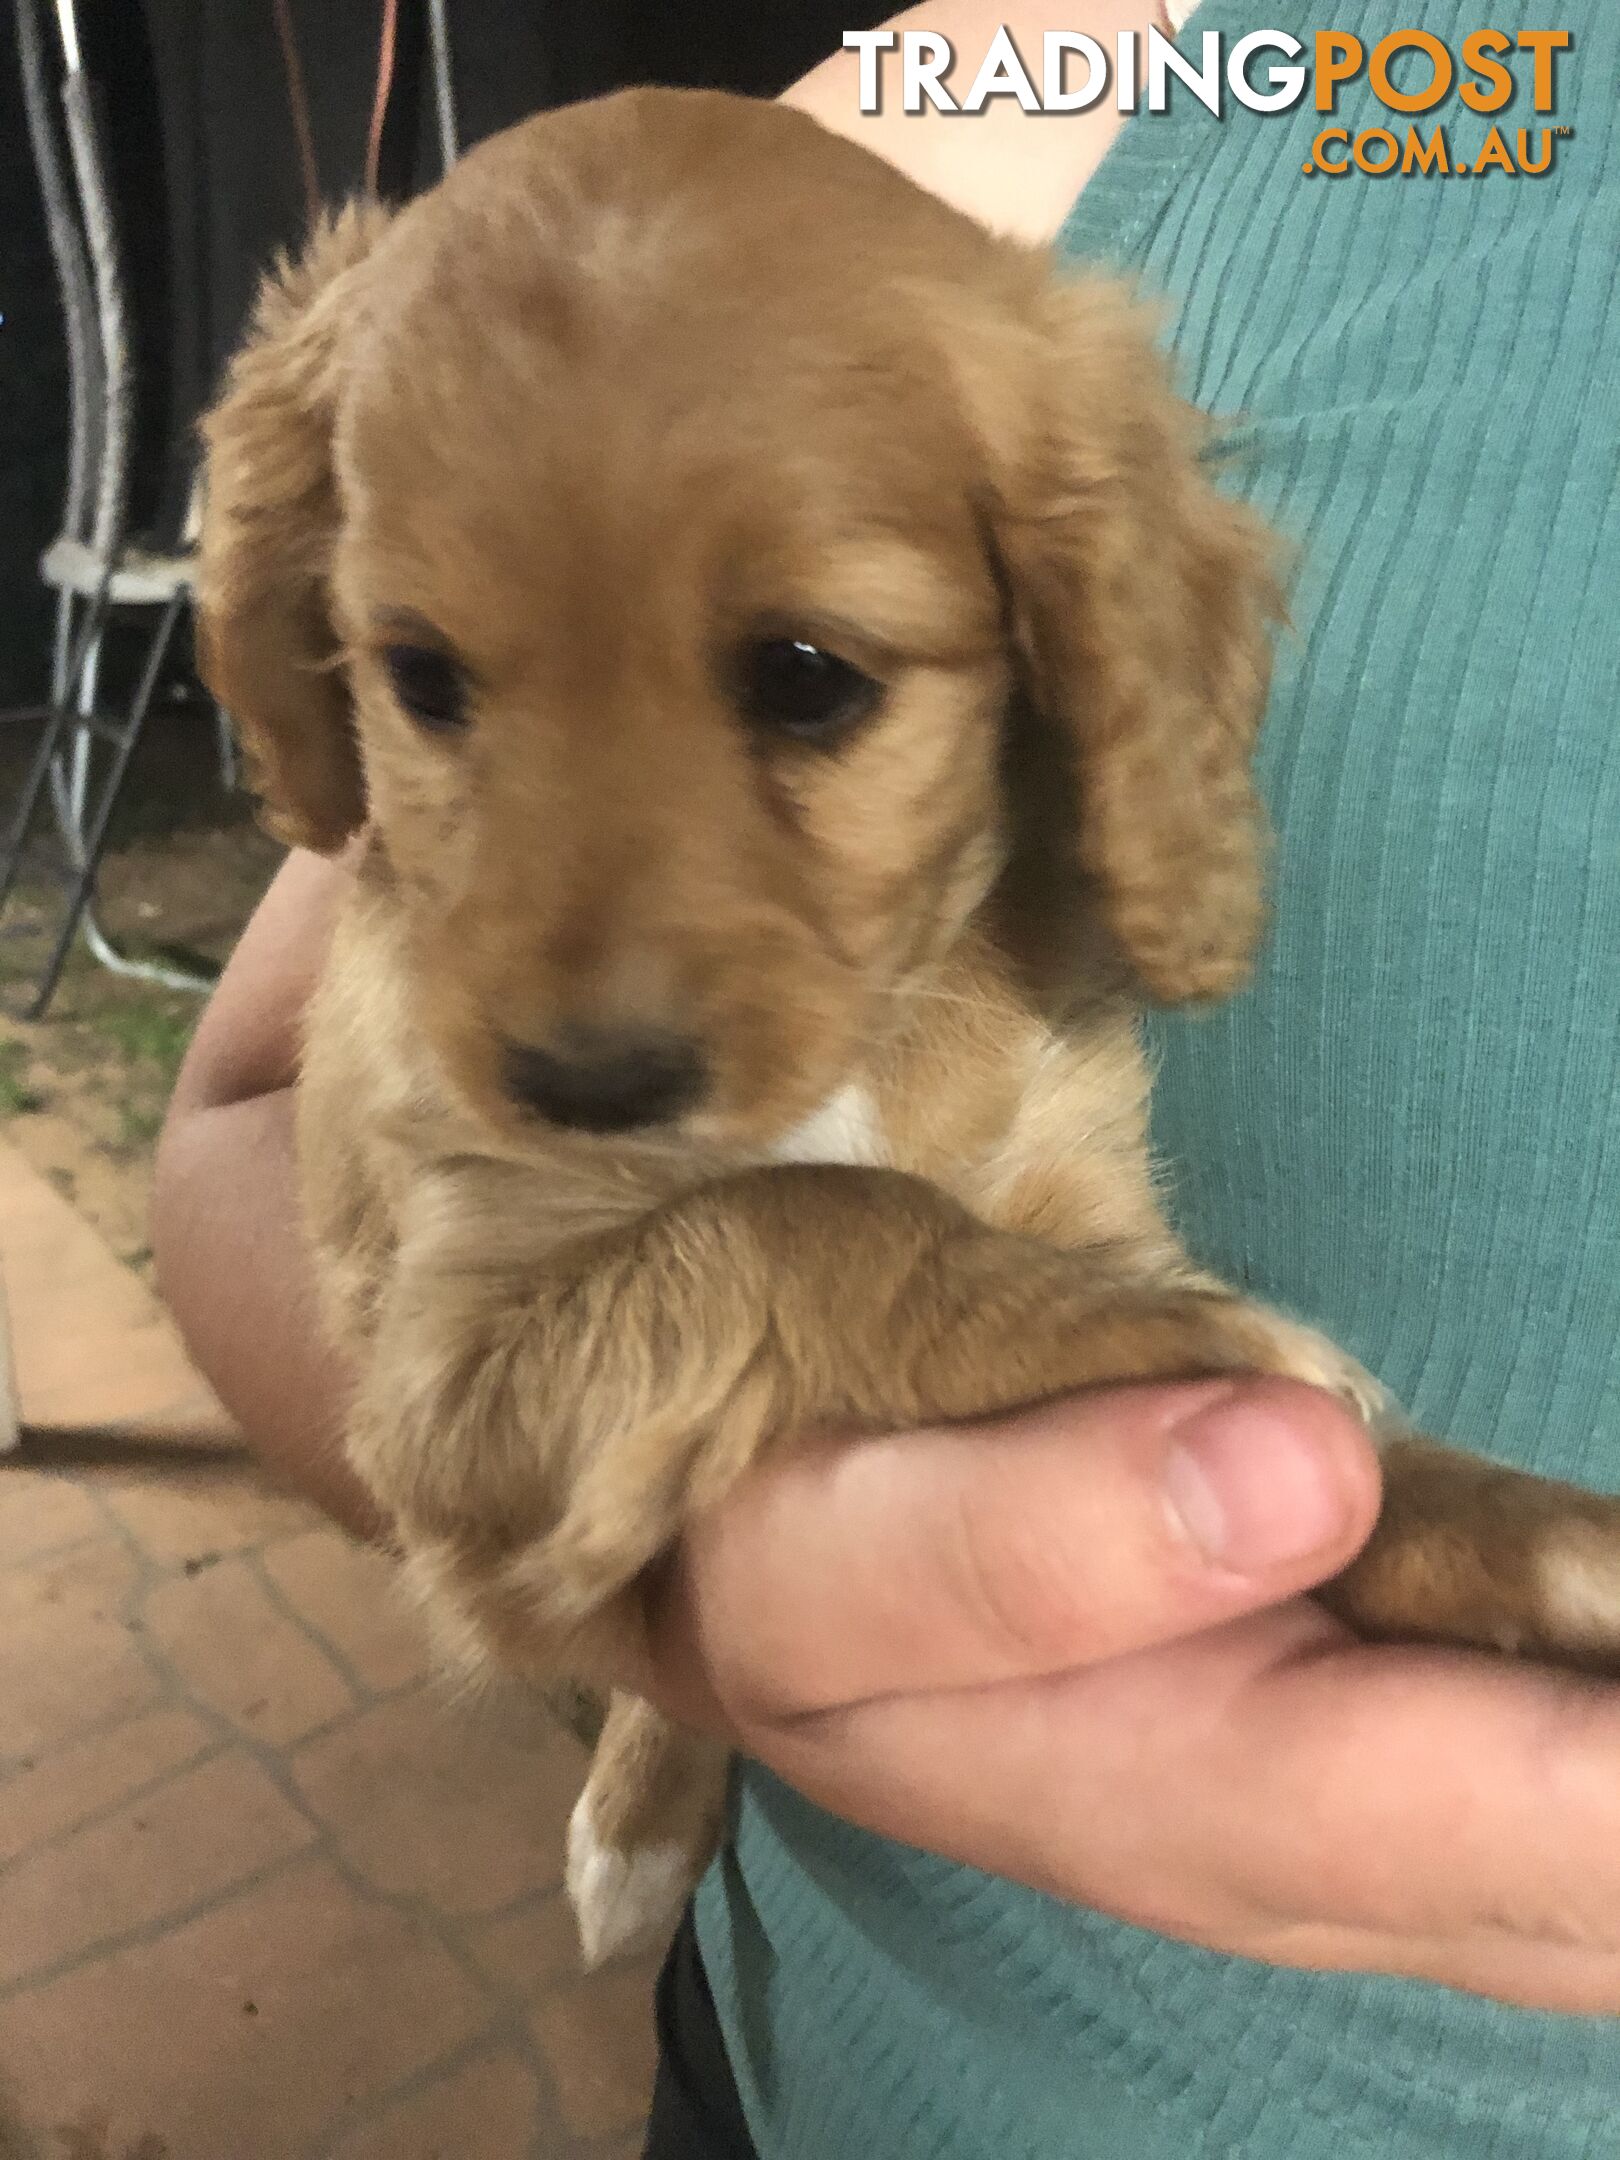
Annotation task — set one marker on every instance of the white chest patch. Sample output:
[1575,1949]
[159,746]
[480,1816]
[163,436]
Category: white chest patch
[844,1130]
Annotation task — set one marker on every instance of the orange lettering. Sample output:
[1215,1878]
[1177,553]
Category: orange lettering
[1338,56]
[1544,43]
[1362,151]
[1425,157]
[1439,58]
[1526,163]
[1477,49]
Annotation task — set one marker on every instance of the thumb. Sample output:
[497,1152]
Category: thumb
[1081,1530]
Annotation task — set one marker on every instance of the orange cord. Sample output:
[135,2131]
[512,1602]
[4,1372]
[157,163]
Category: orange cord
[385,84]
[298,99]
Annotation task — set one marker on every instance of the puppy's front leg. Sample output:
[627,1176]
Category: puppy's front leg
[539,1422]
[644,1828]
[1473,1553]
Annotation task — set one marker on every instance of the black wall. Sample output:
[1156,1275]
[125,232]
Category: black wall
[208,183]
[33,414]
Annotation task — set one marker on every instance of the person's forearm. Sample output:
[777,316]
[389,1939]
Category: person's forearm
[229,1246]
[236,1271]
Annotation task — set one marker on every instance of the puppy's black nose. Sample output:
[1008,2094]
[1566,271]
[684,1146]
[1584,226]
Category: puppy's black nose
[606,1079]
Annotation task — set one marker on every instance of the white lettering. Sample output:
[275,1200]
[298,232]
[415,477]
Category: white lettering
[1002,75]
[1125,71]
[869,43]
[1286,82]
[1059,43]
[1164,60]
[924,58]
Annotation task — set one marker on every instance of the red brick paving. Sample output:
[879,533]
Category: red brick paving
[269,1891]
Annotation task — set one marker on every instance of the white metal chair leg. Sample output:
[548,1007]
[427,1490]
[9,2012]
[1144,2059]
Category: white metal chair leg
[70,794]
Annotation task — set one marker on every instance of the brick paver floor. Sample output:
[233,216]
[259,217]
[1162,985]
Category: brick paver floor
[267,1892]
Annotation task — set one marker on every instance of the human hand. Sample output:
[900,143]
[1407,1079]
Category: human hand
[1070,1649]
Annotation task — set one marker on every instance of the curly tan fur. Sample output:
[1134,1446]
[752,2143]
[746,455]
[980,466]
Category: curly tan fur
[267,644]
[638,381]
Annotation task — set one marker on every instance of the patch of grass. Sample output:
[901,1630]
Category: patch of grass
[17,1098]
[138,1125]
[152,1034]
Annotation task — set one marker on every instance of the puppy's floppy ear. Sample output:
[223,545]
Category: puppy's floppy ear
[266,643]
[1142,601]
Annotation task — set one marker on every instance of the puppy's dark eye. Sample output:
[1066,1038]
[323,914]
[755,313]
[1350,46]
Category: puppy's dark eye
[430,685]
[787,686]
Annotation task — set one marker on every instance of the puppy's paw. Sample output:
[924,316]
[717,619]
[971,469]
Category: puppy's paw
[624,1900]
[1297,1352]
[1577,1593]
[1469,1552]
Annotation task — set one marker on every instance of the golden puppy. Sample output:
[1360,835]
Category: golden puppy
[797,685]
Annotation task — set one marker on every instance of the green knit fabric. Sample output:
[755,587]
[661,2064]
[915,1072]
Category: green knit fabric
[1407,1130]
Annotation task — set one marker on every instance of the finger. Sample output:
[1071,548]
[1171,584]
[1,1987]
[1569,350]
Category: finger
[977,1554]
[1439,1815]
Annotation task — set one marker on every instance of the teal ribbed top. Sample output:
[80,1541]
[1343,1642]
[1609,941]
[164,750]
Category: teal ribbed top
[1407,1130]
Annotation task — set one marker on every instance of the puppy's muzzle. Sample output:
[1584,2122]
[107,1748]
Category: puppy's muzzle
[606,1079]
